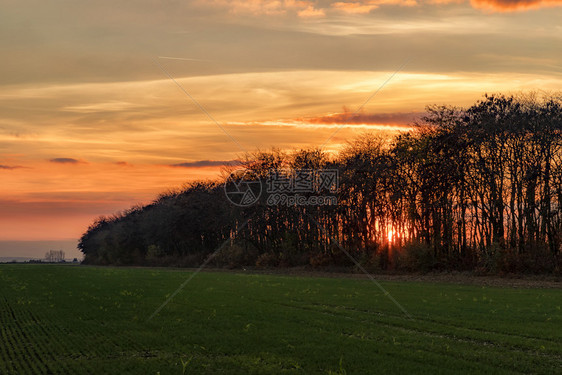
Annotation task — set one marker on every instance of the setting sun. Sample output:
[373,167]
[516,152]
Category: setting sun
[390,235]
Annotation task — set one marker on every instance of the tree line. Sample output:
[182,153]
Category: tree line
[476,188]
[54,256]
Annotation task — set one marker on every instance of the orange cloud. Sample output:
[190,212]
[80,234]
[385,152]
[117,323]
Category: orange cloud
[311,12]
[362,7]
[354,7]
[366,6]
[303,8]
[315,9]
[513,5]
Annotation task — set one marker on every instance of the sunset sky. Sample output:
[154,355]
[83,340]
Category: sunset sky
[91,124]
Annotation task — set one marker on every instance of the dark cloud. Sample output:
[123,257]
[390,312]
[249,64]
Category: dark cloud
[10,167]
[65,161]
[205,163]
[346,117]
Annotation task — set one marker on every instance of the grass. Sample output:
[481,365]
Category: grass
[87,320]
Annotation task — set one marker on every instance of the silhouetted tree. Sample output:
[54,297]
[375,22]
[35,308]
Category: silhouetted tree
[475,187]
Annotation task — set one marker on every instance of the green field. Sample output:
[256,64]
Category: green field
[87,320]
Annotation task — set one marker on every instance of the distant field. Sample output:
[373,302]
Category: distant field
[85,320]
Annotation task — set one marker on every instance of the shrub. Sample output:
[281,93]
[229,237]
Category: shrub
[153,253]
[492,260]
[320,259]
[536,258]
[415,257]
[236,255]
[267,260]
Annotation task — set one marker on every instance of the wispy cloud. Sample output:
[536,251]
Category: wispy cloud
[65,161]
[182,58]
[112,106]
[303,8]
[10,167]
[346,117]
[205,163]
[362,7]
